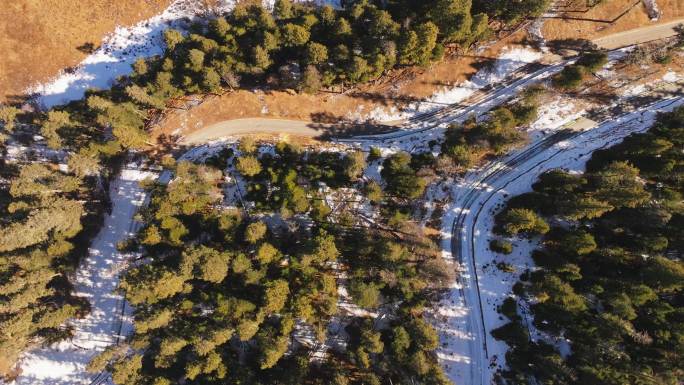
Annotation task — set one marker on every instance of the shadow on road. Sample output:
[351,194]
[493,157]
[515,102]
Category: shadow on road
[333,126]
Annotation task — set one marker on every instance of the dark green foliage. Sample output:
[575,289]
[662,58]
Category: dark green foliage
[509,308]
[252,296]
[463,143]
[344,46]
[340,46]
[572,76]
[513,12]
[518,220]
[218,289]
[374,154]
[401,178]
[593,61]
[282,182]
[609,283]
[569,78]
[501,246]
[513,333]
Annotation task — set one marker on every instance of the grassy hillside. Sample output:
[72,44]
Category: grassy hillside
[39,38]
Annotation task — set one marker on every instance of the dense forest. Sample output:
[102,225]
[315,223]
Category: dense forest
[607,297]
[48,214]
[248,296]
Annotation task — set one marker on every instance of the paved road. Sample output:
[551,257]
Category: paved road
[251,126]
[638,35]
[489,187]
[426,121]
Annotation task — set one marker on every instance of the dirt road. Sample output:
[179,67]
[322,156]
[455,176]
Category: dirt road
[252,126]
[308,129]
[638,35]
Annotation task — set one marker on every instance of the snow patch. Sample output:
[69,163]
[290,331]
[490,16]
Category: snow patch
[553,116]
[120,49]
[671,76]
[508,61]
[97,277]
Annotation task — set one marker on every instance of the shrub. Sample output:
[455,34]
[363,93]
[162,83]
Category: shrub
[501,246]
[505,267]
[248,165]
[519,289]
[569,78]
[520,220]
[509,308]
[374,154]
[593,61]
[311,80]
[461,154]
[366,295]
[255,231]
[512,333]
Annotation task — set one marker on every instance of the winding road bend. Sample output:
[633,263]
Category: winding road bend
[471,220]
[465,238]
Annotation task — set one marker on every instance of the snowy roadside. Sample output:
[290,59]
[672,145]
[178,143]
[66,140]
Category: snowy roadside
[96,279]
[458,340]
[510,60]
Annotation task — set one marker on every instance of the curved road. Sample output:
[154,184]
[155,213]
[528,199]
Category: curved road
[426,121]
[65,364]
[476,203]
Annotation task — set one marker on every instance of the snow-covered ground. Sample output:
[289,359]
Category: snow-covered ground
[123,47]
[464,332]
[96,278]
[118,51]
[508,62]
[37,152]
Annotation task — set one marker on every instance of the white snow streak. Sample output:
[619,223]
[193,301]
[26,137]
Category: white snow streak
[458,343]
[510,60]
[96,279]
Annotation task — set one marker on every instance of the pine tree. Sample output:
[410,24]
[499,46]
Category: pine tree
[255,231]
[248,165]
[8,115]
[311,80]
[316,53]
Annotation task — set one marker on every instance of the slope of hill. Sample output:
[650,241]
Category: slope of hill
[39,38]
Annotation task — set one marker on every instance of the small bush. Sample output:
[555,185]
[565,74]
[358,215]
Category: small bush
[512,333]
[501,246]
[519,289]
[126,245]
[505,267]
[666,59]
[509,308]
[374,154]
[569,78]
[593,61]
[521,221]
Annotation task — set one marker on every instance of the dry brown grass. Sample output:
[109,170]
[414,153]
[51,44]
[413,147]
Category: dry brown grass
[40,37]
[393,90]
[559,29]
